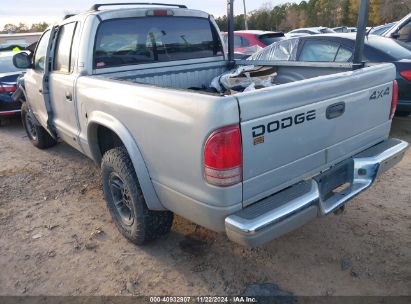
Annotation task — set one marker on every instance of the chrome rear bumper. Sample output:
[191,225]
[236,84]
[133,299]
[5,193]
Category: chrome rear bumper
[299,204]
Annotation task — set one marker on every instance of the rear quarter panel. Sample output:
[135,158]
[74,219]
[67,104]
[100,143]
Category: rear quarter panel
[169,127]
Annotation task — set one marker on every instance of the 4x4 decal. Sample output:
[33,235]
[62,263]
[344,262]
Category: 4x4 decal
[378,94]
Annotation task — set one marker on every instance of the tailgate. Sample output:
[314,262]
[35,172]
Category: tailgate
[296,130]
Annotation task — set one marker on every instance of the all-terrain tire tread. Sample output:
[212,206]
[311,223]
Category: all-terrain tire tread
[150,225]
[44,139]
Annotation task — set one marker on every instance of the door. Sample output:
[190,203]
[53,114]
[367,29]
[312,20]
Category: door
[33,80]
[62,82]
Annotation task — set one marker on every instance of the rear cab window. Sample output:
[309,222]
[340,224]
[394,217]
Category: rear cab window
[134,41]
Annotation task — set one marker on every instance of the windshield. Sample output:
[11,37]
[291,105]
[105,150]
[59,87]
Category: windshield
[6,63]
[326,30]
[382,29]
[155,39]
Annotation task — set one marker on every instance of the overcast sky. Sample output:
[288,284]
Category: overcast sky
[31,11]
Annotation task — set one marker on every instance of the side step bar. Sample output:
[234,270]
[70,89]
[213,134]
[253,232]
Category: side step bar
[301,203]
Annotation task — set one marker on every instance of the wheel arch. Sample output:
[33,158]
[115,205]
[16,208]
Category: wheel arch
[100,126]
[25,100]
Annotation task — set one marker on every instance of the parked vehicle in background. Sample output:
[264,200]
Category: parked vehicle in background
[380,30]
[8,84]
[13,47]
[401,30]
[340,48]
[309,31]
[340,29]
[10,42]
[243,40]
[131,89]
[345,29]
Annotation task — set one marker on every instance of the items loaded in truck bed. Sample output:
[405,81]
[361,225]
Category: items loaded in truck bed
[244,79]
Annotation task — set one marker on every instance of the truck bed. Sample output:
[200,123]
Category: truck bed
[198,76]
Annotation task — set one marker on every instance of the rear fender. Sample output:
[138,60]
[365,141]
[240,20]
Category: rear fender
[97,119]
[26,100]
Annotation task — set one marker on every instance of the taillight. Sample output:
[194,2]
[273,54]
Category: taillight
[394,101]
[406,75]
[223,157]
[159,13]
[7,87]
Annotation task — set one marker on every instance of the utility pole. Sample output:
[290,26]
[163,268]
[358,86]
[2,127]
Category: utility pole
[245,16]
[230,29]
[358,60]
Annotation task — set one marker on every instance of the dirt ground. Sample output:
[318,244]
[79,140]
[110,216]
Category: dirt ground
[57,238]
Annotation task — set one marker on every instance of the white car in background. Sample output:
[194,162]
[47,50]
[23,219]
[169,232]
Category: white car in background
[345,29]
[310,31]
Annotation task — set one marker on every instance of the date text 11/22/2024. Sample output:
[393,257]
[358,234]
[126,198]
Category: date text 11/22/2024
[203,299]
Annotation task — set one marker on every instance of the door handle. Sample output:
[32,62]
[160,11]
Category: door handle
[335,110]
[69,97]
[41,91]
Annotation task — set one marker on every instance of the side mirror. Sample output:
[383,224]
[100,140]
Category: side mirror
[395,35]
[22,60]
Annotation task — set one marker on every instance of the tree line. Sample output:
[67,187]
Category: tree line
[329,13]
[24,28]
[288,16]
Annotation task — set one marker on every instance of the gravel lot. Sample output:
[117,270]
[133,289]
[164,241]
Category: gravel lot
[57,238]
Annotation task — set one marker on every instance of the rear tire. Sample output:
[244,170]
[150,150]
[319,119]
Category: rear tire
[38,136]
[126,202]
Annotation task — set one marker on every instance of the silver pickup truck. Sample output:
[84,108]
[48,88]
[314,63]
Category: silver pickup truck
[128,88]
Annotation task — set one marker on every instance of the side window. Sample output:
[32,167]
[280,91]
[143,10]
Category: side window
[63,48]
[319,51]
[405,33]
[237,41]
[40,55]
[244,42]
[343,55]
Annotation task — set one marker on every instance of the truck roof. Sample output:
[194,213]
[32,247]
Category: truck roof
[95,7]
[117,10]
